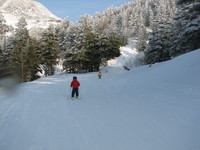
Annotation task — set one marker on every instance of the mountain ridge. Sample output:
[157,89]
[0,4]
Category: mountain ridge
[36,15]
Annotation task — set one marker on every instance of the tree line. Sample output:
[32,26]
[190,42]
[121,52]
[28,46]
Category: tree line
[174,33]
[84,50]
[27,55]
[164,29]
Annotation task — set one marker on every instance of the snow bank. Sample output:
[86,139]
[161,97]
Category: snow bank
[130,57]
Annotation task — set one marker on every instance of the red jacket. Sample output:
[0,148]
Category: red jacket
[75,83]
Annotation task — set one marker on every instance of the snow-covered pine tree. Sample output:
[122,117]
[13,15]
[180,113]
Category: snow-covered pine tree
[131,19]
[19,52]
[74,42]
[1,57]
[100,23]
[8,49]
[89,43]
[3,40]
[186,27]
[24,53]
[142,43]
[71,48]
[110,46]
[3,27]
[91,59]
[49,50]
[33,60]
[62,30]
[160,40]
[116,25]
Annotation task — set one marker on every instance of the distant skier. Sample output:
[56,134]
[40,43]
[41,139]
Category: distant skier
[75,84]
[99,75]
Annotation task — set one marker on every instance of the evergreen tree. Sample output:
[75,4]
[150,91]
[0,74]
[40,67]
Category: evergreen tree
[33,60]
[24,56]
[8,48]
[142,43]
[90,49]
[63,29]
[3,27]
[131,19]
[19,53]
[91,59]
[109,46]
[72,47]
[49,50]
[158,49]
[75,44]
[1,56]
[3,40]
[186,27]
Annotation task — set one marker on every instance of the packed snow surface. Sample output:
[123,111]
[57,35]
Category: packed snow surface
[146,108]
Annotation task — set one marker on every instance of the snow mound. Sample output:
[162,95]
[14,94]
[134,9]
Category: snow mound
[129,57]
[182,69]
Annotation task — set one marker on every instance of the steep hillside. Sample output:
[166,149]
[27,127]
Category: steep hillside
[36,15]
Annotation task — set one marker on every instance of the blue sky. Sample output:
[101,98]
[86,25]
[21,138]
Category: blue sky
[76,8]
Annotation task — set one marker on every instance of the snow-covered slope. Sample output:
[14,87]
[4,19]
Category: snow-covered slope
[36,15]
[147,108]
[130,57]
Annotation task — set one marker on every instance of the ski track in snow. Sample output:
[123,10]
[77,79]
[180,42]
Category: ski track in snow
[134,110]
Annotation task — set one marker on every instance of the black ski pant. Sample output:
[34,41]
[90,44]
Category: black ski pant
[75,91]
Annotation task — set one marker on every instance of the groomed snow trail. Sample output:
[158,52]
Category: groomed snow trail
[146,108]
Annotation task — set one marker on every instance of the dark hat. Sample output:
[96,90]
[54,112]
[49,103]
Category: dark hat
[74,77]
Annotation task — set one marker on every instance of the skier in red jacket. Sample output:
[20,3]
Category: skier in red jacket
[75,84]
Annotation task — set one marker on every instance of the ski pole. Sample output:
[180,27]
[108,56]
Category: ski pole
[79,92]
[69,95]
